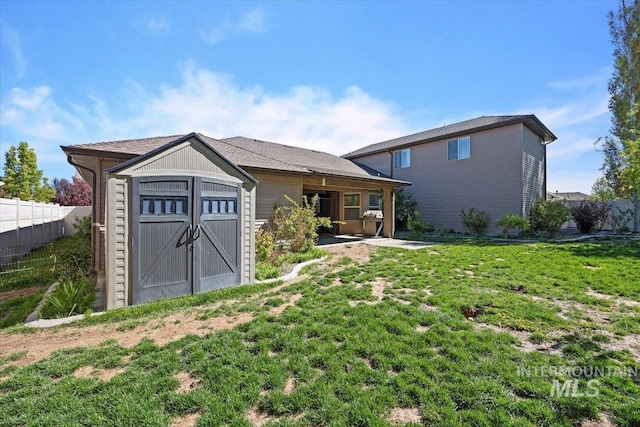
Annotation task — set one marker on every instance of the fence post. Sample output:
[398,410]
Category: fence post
[17,221]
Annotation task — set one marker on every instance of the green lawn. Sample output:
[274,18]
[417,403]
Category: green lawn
[441,336]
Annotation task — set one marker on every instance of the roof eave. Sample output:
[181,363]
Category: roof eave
[544,132]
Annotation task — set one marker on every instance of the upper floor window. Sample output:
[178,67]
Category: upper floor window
[460,148]
[402,158]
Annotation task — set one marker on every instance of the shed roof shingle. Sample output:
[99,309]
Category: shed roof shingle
[456,129]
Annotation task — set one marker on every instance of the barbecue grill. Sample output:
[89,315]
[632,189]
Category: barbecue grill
[372,222]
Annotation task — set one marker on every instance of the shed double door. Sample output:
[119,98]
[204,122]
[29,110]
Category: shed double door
[185,237]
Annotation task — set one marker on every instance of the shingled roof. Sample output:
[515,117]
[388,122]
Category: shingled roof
[244,152]
[457,129]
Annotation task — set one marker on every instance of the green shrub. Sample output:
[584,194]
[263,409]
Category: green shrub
[417,224]
[405,209]
[296,226]
[476,221]
[547,216]
[68,298]
[267,270]
[265,245]
[510,222]
[589,215]
[620,220]
[73,261]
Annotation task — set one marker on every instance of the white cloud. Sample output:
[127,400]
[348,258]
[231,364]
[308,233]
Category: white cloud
[253,22]
[306,116]
[157,24]
[205,102]
[10,40]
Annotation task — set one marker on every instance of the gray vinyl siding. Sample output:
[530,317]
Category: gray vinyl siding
[270,193]
[490,180]
[533,167]
[382,162]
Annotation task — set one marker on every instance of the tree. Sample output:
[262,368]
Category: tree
[74,193]
[22,178]
[621,148]
[601,191]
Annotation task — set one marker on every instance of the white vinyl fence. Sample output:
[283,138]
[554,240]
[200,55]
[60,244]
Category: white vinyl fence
[26,225]
[614,209]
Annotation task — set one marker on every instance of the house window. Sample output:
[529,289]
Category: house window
[163,205]
[351,206]
[217,206]
[375,202]
[402,159]
[460,148]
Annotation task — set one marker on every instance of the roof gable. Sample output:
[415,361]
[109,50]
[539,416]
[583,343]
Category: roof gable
[457,129]
[190,149]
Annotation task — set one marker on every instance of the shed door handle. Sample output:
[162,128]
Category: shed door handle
[196,233]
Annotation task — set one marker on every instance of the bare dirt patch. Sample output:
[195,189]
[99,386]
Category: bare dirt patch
[615,299]
[187,382]
[186,421]
[23,292]
[404,416]
[92,372]
[604,420]
[42,343]
[377,290]
[290,386]
[628,342]
[358,252]
[257,418]
[570,308]
[277,311]
[525,344]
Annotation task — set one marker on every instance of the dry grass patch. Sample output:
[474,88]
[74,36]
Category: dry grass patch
[187,382]
[401,416]
[101,374]
[277,311]
[604,420]
[290,386]
[186,421]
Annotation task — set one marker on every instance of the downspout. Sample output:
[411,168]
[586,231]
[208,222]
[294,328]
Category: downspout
[391,165]
[544,193]
[93,207]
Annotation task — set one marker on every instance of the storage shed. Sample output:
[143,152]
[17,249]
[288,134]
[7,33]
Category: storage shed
[179,221]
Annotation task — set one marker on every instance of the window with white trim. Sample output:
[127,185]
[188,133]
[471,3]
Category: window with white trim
[460,148]
[375,201]
[402,159]
[351,204]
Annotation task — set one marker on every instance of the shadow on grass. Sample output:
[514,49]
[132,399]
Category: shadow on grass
[605,248]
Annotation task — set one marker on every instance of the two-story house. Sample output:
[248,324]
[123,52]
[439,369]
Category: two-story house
[496,164]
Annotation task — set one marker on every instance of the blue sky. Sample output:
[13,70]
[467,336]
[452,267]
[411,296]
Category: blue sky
[333,76]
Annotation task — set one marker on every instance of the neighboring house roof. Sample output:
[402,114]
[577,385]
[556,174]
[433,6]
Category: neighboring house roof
[244,152]
[457,129]
[572,196]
